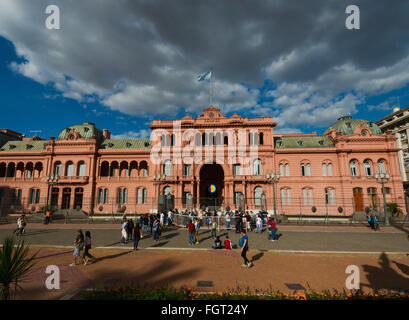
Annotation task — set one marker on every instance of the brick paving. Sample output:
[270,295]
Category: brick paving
[307,256]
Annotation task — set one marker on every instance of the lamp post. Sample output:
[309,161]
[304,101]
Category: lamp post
[51,181]
[383,178]
[158,179]
[273,178]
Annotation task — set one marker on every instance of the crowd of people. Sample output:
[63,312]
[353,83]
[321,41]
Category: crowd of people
[373,221]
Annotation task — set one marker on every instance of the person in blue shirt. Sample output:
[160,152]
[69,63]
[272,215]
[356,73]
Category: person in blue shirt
[244,244]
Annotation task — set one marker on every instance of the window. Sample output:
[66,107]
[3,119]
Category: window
[167,168]
[238,198]
[167,191]
[16,196]
[257,167]
[302,170]
[34,196]
[330,196]
[368,168]
[307,196]
[70,169]
[29,173]
[324,169]
[381,166]
[287,170]
[236,169]
[281,169]
[141,196]
[353,166]
[258,201]
[308,170]
[186,198]
[285,195]
[58,169]
[186,169]
[81,169]
[122,195]
[330,169]
[106,193]
[100,194]
[284,169]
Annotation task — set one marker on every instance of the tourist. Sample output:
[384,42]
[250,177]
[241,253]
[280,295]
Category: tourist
[227,217]
[124,234]
[376,223]
[19,228]
[372,222]
[47,217]
[129,228]
[87,247]
[78,246]
[273,229]
[259,224]
[170,218]
[244,244]
[145,224]
[217,243]
[137,235]
[237,220]
[196,231]
[227,243]
[191,229]
[141,221]
[214,226]
[155,229]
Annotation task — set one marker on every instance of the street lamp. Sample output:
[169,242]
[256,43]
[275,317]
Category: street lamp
[383,178]
[51,181]
[273,178]
[158,179]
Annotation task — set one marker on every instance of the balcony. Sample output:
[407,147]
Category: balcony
[73,179]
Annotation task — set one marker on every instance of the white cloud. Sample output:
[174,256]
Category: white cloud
[142,134]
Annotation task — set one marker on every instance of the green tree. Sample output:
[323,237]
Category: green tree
[15,264]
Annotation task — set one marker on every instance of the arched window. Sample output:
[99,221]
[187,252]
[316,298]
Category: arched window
[330,196]
[167,190]
[167,168]
[141,199]
[258,191]
[307,196]
[381,166]
[197,140]
[309,170]
[353,166]
[287,170]
[281,169]
[257,168]
[106,194]
[69,169]
[330,170]
[368,168]
[58,168]
[122,195]
[81,169]
[324,169]
[218,139]
[29,170]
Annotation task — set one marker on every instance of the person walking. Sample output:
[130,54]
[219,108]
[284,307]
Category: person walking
[137,235]
[87,247]
[124,234]
[214,227]
[145,224]
[129,229]
[259,224]
[273,227]
[19,228]
[244,244]
[155,229]
[197,231]
[47,217]
[191,228]
[227,217]
[78,246]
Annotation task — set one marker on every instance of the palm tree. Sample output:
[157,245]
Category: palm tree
[15,264]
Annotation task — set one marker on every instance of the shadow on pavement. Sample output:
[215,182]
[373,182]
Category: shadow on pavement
[257,256]
[113,256]
[384,277]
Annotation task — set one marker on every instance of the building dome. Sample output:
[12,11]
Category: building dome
[86,130]
[346,125]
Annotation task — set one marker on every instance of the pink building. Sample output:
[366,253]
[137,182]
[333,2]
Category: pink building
[209,161]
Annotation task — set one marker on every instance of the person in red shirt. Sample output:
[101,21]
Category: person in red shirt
[227,243]
[272,226]
[191,229]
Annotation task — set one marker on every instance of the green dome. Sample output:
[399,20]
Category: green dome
[86,130]
[346,125]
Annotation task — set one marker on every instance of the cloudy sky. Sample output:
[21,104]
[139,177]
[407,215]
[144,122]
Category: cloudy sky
[123,63]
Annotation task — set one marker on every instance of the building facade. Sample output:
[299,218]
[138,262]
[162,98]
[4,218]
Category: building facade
[210,161]
[397,123]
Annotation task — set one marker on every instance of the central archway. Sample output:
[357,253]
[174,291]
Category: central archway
[211,186]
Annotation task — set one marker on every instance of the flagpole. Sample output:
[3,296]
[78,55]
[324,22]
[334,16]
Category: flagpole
[210,84]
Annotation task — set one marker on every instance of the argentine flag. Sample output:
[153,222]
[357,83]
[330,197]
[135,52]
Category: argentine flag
[204,76]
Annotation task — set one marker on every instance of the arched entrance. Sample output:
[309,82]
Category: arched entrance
[211,186]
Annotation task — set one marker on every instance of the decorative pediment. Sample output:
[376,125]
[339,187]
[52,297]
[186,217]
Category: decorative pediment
[211,113]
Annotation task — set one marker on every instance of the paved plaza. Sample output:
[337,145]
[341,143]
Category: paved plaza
[304,257]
